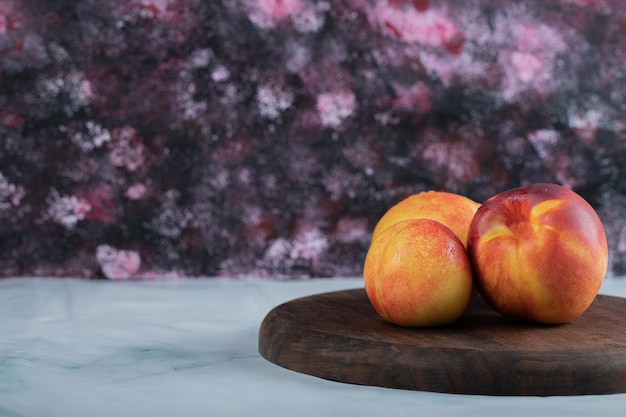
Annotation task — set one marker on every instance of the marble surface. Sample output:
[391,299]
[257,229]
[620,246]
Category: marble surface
[189,347]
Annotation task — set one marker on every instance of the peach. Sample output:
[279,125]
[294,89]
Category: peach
[452,210]
[539,253]
[417,273]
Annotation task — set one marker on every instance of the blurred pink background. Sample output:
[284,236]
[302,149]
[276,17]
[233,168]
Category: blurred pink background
[264,138]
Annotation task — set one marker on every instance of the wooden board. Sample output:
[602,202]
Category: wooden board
[339,336]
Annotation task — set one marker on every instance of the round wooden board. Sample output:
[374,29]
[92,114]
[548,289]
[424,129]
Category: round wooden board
[338,336]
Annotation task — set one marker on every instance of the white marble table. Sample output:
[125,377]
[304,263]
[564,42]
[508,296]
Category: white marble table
[189,348]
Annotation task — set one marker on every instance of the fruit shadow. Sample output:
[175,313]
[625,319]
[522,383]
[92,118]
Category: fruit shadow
[479,314]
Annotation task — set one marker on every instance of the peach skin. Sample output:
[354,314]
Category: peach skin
[539,253]
[452,210]
[417,273]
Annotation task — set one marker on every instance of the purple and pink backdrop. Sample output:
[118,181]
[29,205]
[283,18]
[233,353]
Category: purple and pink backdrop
[264,138]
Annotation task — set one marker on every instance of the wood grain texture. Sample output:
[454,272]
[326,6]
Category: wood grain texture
[338,336]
